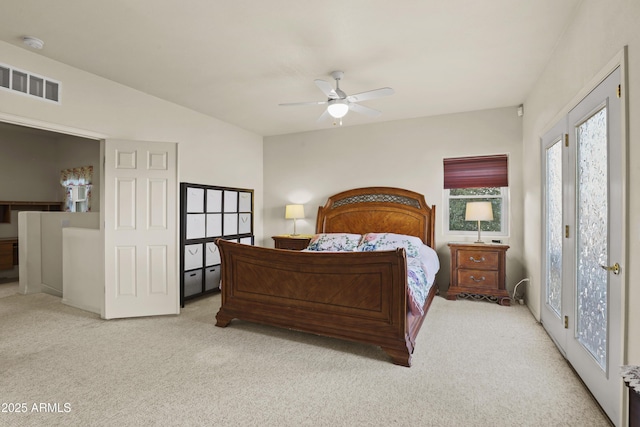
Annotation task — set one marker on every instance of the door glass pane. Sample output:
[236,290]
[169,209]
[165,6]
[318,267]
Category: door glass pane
[554,227]
[591,234]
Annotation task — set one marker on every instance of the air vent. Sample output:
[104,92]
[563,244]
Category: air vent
[29,84]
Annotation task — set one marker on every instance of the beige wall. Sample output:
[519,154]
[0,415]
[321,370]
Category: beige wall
[599,32]
[26,167]
[30,167]
[211,152]
[308,167]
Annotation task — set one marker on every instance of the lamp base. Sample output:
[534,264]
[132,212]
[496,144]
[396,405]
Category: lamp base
[479,239]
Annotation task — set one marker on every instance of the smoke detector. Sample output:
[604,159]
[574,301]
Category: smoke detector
[33,42]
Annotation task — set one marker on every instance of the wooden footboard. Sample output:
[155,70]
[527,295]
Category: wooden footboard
[358,296]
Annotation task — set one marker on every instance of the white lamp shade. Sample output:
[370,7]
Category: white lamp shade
[479,211]
[294,212]
[338,108]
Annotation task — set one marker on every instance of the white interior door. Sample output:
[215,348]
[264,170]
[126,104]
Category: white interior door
[140,224]
[582,307]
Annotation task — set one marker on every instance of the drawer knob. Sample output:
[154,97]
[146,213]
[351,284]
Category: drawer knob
[477,280]
[476,260]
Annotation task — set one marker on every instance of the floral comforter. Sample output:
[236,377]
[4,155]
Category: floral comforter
[418,285]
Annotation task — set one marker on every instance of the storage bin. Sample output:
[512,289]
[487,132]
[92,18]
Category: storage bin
[212,278]
[192,282]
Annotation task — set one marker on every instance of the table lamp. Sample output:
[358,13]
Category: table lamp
[479,211]
[294,212]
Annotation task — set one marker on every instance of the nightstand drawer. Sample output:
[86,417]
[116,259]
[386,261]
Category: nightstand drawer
[485,279]
[294,243]
[485,260]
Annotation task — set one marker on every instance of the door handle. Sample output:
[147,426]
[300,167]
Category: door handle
[615,268]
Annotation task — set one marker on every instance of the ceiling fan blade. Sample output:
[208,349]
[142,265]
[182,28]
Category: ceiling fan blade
[324,116]
[371,94]
[289,104]
[364,110]
[326,89]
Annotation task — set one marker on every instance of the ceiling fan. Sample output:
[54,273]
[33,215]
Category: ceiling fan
[339,103]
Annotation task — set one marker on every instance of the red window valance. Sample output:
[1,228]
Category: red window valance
[476,172]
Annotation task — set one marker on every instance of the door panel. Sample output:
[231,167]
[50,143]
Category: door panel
[555,163]
[594,349]
[582,310]
[140,229]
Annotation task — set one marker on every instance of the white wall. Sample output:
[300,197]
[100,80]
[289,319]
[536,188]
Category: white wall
[308,167]
[211,152]
[599,32]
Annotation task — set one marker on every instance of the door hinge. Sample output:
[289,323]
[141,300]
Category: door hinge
[566,322]
[619,91]
[566,139]
[566,231]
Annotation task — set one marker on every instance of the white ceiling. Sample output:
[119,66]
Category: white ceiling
[236,60]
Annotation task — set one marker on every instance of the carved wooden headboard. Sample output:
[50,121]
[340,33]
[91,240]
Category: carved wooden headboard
[378,209]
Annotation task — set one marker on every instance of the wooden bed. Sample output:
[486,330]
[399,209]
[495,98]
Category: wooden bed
[358,296]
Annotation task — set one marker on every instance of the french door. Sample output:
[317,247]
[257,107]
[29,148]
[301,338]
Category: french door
[583,243]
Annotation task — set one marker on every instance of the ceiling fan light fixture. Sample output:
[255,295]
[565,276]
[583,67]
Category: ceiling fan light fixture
[338,108]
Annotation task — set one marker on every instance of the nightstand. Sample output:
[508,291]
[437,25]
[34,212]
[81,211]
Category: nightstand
[478,271]
[294,243]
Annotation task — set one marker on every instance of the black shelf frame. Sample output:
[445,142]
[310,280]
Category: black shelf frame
[230,207]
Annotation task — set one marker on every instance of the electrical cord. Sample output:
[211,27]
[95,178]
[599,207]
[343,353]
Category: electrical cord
[515,289]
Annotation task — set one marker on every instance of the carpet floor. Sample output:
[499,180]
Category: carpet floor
[475,364]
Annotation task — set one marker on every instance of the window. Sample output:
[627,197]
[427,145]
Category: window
[457,199]
[476,179]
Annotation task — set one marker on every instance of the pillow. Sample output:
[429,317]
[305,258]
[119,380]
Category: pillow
[337,242]
[390,241]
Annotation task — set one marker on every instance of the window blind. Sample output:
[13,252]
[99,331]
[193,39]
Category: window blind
[476,172]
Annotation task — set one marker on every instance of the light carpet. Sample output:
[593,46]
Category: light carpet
[475,364]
